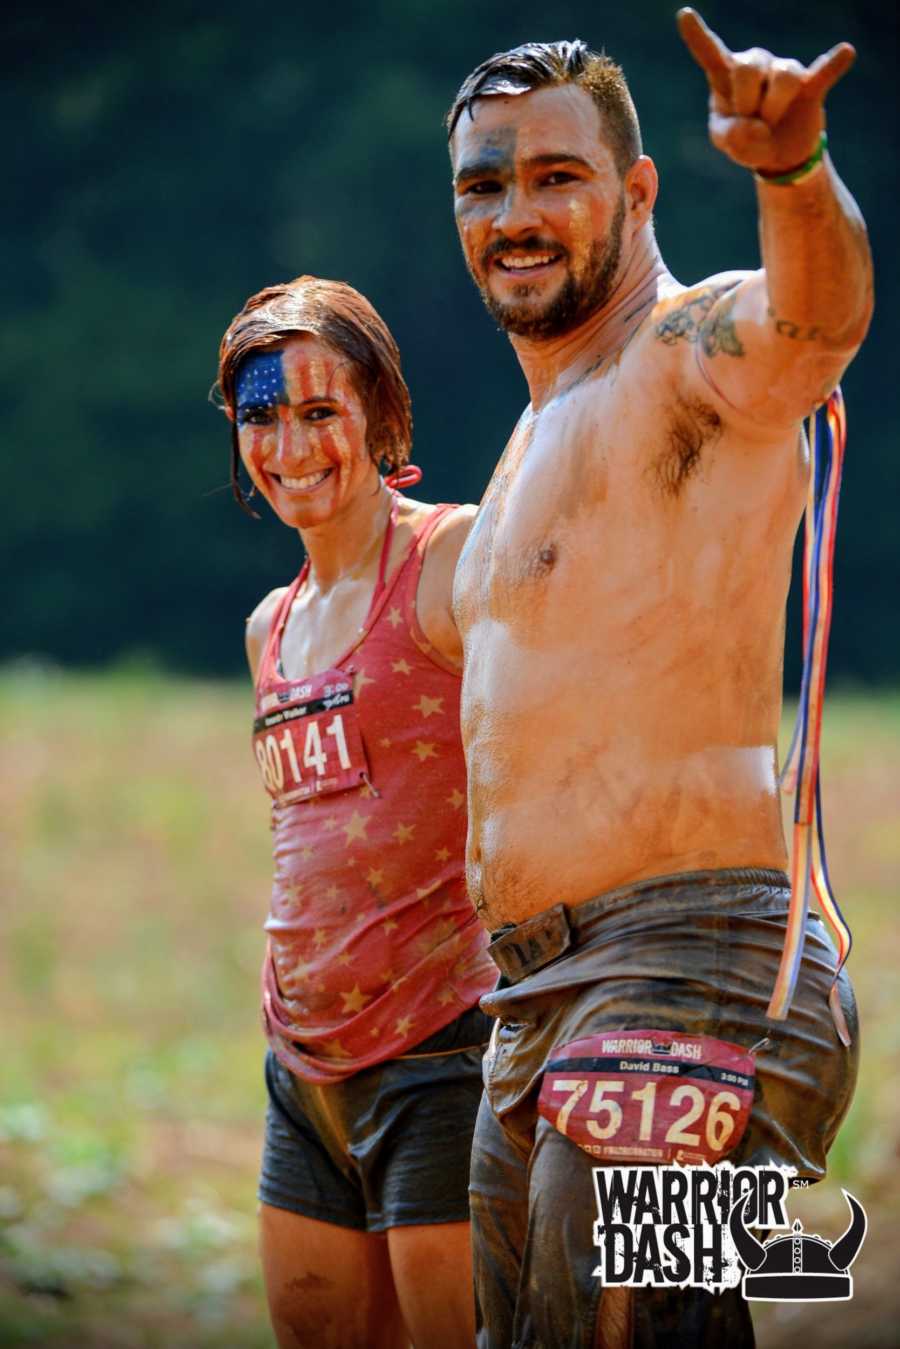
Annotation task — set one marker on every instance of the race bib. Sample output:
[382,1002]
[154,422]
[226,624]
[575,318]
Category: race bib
[649,1096]
[307,741]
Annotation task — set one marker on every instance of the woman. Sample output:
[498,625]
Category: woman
[375,961]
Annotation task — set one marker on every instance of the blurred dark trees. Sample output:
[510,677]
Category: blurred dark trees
[162,162]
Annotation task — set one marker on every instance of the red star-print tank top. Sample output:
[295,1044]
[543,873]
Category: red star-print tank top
[373,943]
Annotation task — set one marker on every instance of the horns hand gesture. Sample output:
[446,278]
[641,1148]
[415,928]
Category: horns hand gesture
[765,112]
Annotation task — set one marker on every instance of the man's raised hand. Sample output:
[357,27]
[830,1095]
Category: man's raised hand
[765,112]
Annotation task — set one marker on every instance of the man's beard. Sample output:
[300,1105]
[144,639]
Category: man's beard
[576,301]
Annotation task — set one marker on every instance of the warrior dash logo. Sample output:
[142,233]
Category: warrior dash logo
[674,1226]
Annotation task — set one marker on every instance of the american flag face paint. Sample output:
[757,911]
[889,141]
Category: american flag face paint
[260,384]
[302,429]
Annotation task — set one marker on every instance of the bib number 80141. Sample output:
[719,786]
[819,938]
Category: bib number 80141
[274,752]
[308,742]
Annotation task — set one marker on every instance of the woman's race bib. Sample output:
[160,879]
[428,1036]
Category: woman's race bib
[307,741]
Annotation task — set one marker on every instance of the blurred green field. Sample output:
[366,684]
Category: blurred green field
[134,872]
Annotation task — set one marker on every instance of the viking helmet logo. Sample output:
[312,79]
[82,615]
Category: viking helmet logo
[801,1267]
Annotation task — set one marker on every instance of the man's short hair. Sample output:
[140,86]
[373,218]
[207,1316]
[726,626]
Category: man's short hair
[540,65]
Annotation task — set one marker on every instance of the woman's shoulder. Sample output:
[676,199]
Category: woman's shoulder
[445,539]
[258,625]
[455,520]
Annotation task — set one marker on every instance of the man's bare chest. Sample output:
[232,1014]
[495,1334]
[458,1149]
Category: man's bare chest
[555,469]
[603,477]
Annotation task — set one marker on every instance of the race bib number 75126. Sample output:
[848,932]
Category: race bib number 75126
[309,742]
[649,1096]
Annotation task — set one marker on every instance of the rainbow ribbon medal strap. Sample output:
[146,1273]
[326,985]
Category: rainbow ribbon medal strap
[809,867]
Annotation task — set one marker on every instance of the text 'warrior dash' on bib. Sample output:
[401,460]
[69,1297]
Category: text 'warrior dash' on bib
[649,1097]
[307,739]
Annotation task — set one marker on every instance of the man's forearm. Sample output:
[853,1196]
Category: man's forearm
[816,258]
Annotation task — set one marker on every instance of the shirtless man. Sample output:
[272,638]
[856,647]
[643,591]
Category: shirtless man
[621,600]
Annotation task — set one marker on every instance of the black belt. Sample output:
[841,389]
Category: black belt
[518,949]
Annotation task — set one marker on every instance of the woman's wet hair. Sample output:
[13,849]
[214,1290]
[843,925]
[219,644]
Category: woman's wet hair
[541,65]
[342,318]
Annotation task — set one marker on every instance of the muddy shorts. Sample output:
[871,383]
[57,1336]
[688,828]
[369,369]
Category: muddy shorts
[695,953]
[388,1147]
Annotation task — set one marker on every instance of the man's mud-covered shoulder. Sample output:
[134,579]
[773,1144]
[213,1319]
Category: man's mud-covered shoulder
[687,318]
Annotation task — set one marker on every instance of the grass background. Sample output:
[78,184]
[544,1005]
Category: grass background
[134,873]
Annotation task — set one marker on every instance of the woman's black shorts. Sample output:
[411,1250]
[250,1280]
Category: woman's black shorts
[388,1147]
